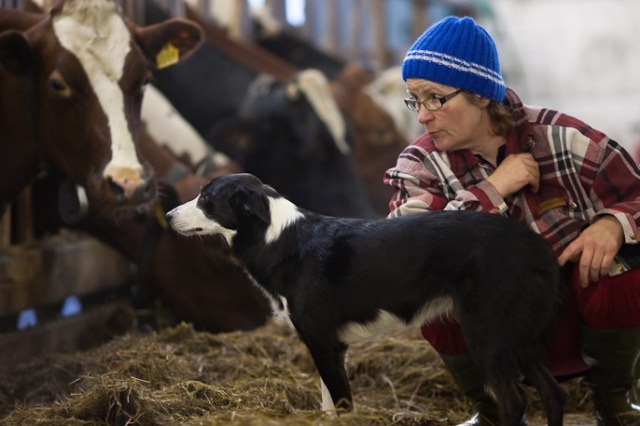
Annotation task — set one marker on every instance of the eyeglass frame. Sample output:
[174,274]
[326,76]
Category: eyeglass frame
[412,104]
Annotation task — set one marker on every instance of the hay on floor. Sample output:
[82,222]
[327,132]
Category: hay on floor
[180,376]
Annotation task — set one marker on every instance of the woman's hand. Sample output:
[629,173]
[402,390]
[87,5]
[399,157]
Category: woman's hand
[514,173]
[594,249]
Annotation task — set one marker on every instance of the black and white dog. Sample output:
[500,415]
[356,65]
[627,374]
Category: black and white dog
[343,280]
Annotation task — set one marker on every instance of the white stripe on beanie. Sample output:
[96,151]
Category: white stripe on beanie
[455,63]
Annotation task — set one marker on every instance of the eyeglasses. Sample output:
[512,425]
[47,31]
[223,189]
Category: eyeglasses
[433,103]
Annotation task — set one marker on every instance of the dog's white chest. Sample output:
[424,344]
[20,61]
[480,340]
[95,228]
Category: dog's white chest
[280,309]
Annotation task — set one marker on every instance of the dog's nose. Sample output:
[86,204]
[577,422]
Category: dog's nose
[170,213]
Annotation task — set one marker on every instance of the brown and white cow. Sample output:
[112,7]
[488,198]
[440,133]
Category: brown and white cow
[71,87]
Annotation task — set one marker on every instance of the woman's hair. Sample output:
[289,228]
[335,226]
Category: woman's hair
[500,115]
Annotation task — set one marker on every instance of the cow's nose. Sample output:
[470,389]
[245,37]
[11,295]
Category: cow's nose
[132,187]
[126,187]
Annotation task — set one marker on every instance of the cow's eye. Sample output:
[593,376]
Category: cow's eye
[58,85]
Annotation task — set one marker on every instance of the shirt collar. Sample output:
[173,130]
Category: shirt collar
[519,139]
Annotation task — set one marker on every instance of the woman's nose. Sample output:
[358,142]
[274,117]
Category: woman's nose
[425,116]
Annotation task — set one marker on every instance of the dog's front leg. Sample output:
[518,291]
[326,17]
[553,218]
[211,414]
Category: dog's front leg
[327,400]
[330,362]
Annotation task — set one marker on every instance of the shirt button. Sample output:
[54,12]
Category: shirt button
[573,206]
[632,236]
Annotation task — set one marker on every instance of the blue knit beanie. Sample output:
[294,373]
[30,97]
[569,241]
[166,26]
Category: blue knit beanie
[459,53]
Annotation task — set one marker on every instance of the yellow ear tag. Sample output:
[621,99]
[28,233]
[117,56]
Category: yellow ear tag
[168,56]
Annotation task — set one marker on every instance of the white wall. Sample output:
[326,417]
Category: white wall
[581,57]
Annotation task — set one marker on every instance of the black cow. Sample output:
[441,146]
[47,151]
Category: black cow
[289,134]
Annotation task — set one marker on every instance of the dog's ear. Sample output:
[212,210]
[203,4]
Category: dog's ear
[250,203]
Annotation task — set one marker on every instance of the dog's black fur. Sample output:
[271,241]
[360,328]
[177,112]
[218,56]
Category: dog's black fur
[499,279]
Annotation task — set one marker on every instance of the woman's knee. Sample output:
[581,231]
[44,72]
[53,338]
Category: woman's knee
[610,303]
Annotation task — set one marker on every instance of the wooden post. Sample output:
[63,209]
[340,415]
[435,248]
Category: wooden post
[355,17]
[240,21]
[5,228]
[332,40]
[278,11]
[310,23]
[204,7]
[419,19]
[176,9]
[24,216]
[132,9]
[378,34]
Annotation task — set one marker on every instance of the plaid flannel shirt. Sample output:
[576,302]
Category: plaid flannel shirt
[583,174]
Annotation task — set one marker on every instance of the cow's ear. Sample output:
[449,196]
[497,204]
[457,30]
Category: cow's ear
[170,41]
[16,52]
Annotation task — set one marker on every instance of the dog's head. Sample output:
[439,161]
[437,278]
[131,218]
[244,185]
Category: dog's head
[224,205]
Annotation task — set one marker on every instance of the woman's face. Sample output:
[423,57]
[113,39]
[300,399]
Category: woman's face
[459,124]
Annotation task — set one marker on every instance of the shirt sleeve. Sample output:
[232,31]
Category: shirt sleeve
[423,182]
[616,189]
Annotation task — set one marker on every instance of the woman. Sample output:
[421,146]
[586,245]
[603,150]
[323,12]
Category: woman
[484,150]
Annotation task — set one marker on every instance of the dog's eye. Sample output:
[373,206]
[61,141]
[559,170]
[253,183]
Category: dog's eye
[202,202]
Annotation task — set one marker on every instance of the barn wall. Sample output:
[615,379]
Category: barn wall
[578,56]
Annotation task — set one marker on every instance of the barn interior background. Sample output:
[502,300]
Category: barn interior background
[578,56]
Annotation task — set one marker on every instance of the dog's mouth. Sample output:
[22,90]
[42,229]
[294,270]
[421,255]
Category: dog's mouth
[190,232]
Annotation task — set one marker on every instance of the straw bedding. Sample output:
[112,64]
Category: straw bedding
[180,376]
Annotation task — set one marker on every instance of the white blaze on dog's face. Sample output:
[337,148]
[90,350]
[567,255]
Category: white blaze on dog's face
[189,220]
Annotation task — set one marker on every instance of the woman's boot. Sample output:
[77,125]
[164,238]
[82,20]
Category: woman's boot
[613,357]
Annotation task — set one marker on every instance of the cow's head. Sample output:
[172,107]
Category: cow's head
[297,124]
[377,141]
[85,68]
